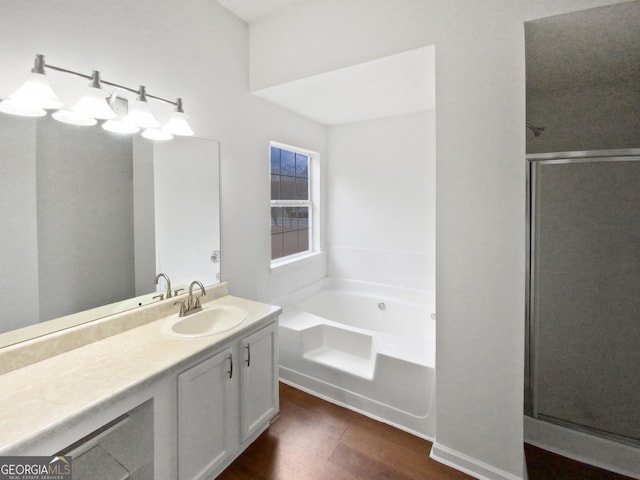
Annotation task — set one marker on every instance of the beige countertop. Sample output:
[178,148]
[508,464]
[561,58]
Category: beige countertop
[42,397]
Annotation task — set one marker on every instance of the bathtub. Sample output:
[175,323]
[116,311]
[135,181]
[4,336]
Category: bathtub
[365,346]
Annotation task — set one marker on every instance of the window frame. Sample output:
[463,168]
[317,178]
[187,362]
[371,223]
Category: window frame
[311,203]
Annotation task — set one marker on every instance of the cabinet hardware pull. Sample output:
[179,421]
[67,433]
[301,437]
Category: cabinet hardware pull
[248,347]
[230,372]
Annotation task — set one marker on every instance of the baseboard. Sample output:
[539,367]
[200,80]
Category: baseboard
[582,447]
[469,465]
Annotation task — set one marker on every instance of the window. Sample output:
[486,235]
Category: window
[291,206]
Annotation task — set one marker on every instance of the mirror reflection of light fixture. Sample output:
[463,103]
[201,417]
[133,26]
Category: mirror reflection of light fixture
[116,126]
[12,108]
[36,96]
[157,135]
[74,118]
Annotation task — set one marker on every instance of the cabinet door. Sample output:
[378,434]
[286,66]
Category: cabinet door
[206,412]
[259,380]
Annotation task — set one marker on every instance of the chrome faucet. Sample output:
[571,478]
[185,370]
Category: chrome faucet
[168,282]
[190,304]
[193,302]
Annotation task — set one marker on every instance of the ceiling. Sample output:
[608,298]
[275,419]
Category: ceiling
[394,85]
[589,47]
[251,10]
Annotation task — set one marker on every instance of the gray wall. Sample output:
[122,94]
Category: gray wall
[583,79]
[599,117]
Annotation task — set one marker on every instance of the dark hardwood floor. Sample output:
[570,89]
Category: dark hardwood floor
[317,440]
[544,465]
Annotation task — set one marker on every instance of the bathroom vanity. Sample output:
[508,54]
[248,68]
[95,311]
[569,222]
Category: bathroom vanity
[140,403]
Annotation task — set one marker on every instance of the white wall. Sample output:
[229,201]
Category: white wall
[195,49]
[381,201]
[480,208]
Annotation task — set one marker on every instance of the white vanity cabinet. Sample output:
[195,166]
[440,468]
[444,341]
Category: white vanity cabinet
[225,402]
[259,398]
[207,412]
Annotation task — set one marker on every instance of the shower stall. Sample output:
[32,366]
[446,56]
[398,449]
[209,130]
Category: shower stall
[583,313]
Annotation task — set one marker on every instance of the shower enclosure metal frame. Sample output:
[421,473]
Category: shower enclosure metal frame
[531,321]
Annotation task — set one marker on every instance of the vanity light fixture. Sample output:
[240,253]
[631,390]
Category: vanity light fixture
[139,112]
[94,102]
[36,91]
[117,125]
[36,96]
[177,124]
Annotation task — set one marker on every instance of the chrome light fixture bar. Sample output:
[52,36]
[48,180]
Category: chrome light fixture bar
[36,96]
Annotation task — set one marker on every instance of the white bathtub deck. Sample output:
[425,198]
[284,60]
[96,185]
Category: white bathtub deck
[353,364]
[415,350]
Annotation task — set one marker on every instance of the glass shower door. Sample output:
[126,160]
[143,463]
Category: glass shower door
[584,291]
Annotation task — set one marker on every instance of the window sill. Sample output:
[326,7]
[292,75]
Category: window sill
[278,264]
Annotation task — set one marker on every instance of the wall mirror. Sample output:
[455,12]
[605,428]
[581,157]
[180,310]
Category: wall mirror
[90,217]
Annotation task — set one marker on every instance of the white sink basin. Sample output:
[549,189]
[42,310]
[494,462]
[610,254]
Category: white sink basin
[211,320]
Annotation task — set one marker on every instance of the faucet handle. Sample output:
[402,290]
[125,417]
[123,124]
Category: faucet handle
[177,291]
[159,296]
[183,308]
[197,304]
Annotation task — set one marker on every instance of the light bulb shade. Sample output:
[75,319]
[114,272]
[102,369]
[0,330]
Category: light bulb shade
[13,108]
[178,125]
[74,118]
[122,128]
[36,92]
[140,115]
[156,135]
[94,104]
